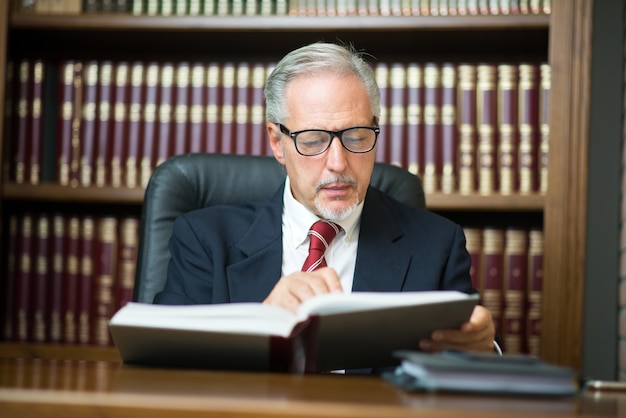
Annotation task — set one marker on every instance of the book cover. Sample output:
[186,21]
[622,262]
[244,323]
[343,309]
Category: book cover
[226,139]
[36,121]
[449,140]
[414,118]
[104,276]
[120,122]
[133,142]
[330,332]
[544,126]
[534,291]
[181,108]
[432,127]
[64,125]
[528,128]
[256,103]
[85,286]
[514,290]
[507,129]
[242,109]
[196,109]
[103,130]
[22,132]
[164,114]
[127,260]
[78,79]
[492,264]
[148,122]
[57,276]
[70,285]
[474,245]
[397,114]
[212,106]
[467,103]
[486,113]
[24,279]
[40,285]
[88,123]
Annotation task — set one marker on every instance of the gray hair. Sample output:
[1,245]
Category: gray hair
[317,58]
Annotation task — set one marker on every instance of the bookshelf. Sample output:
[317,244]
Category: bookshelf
[561,38]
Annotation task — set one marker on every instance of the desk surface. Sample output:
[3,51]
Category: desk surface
[69,388]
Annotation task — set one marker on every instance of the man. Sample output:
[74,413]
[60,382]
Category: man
[323,106]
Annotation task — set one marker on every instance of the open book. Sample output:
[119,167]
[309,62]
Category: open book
[329,332]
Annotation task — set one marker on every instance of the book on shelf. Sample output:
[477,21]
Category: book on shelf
[486,115]
[515,276]
[164,113]
[23,127]
[72,280]
[449,135]
[40,284]
[104,117]
[227,108]
[528,127]
[329,332]
[381,71]
[23,284]
[119,128]
[414,118]
[534,291]
[106,242]
[257,109]
[212,106]
[88,123]
[136,105]
[432,127]
[397,114]
[86,278]
[544,126]
[507,128]
[148,123]
[196,108]
[181,108]
[36,121]
[468,139]
[8,285]
[127,260]
[57,276]
[242,109]
[492,265]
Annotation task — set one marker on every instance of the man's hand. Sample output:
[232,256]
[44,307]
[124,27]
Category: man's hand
[477,334]
[292,290]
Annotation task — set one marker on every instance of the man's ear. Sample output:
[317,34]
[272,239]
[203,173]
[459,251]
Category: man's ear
[276,142]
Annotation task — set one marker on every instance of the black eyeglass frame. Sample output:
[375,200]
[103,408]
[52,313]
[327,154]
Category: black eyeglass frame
[333,134]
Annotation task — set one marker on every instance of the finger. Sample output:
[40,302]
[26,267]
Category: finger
[325,280]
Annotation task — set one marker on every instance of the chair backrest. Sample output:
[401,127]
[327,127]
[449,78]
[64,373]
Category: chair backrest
[192,181]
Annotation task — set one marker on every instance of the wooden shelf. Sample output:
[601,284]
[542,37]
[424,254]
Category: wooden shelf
[473,203]
[58,352]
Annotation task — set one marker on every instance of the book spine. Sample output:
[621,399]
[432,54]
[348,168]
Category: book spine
[24,282]
[487,121]
[212,107]
[227,114]
[77,107]
[164,118]
[120,123]
[137,80]
[515,282]
[257,110]
[397,114]
[57,276]
[467,102]
[507,128]
[242,112]
[534,291]
[127,260]
[36,122]
[449,138]
[23,125]
[181,109]
[474,245]
[528,127]
[9,285]
[40,288]
[492,269]
[382,79]
[9,123]
[86,276]
[104,279]
[432,127]
[414,118]
[196,112]
[72,269]
[149,119]
[544,127]
[104,140]
[88,123]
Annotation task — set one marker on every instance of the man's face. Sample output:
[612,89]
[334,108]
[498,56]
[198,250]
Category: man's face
[333,183]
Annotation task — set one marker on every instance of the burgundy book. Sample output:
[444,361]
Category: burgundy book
[492,264]
[196,110]
[10,112]
[104,279]
[86,285]
[258,141]
[36,103]
[382,79]
[432,127]
[474,245]
[24,279]
[148,123]
[165,112]
[514,288]
[544,126]
[40,279]
[103,125]
[22,132]
[507,129]
[534,291]
[133,143]
[10,283]
[181,108]
[486,94]
[528,127]
[213,100]
[119,128]
[127,260]
[75,142]
[57,277]
[242,109]
[70,285]
[88,123]
[467,129]
[397,114]
[414,118]
[449,137]
[226,140]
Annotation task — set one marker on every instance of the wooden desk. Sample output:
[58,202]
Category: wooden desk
[71,388]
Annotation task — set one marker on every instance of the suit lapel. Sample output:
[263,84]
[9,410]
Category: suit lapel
[381,265]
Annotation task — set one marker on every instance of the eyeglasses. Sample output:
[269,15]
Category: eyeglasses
[309,142]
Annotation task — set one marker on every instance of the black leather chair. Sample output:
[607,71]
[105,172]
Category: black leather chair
[192,181]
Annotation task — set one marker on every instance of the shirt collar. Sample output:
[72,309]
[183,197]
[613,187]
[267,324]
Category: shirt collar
[298,219]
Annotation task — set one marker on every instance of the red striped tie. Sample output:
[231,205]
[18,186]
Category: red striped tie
[321,234]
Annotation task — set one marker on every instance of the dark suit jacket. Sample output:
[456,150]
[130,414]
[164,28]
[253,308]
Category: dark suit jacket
[224,254]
